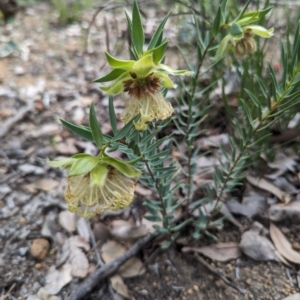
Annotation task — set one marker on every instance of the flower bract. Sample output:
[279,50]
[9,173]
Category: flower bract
[96,184]
[240,38]
[141,82]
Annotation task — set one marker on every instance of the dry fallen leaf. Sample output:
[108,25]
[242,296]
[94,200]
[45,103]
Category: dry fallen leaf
[45,184]
[257,246]
[221,251]
[73,255]
[293,297]
[283,245]
[269,187]
[290,211]
[124,230]
[132,268]
[67,220]
[252,204]
[57,279]
[119,286]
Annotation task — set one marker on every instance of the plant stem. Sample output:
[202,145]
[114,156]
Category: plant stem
[160,196]
[258,127]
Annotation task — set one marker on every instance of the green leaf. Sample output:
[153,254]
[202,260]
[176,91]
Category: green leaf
[83,165]
[112,115]
[129,22]
[62,163]
[122,166]
[262,87]
[217,22]
[242,11]
[158,52]
[138,37]
[123,132]
[112,75]
[95,128]
[118,63]
[158,33]
[236,30]
[98,175]
[78,130]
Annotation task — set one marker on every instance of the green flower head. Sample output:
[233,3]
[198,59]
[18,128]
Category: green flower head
[240,37]
[96,184]
[140,81]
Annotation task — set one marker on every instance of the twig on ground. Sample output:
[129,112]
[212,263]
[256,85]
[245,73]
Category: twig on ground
[6,126]
[215,272]
[108,269]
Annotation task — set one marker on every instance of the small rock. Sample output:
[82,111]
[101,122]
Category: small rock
[296,246]
[23,250]
[38,266]
[249,281]
[39,248]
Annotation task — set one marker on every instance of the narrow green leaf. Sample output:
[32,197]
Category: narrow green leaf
[138,37]
[119,63]
[78,130]
[112,115]
[262,87]
[158,52]
[242,11]
[124,131]
[95,128]
[217,22]
[114,74]
[122,166]
[158,33]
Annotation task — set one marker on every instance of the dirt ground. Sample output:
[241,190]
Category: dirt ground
[45,74]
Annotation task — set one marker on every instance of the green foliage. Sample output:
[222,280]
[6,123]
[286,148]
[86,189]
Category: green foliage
[71,10]
[263,101]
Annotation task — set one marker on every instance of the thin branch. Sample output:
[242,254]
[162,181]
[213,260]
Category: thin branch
[217,273]
[108,269]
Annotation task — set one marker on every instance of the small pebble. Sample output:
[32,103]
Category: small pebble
[249,281]
[22,221]
[39,248]
[296,246]
[23,250]
[38,266]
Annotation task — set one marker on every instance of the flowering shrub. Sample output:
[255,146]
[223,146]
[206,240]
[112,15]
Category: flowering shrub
[102,182]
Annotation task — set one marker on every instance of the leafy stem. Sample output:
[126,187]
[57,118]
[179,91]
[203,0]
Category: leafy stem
[165,214]
[247,144]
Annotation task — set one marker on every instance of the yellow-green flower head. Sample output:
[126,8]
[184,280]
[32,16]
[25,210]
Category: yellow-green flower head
[96,184]
[141,82]
[240,38]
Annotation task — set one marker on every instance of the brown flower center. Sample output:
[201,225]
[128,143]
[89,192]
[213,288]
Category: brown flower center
[140,87]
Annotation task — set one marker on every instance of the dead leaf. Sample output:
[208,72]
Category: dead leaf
[57,279]
[251,205]
[132,268]
[119,286]
[79,263]
[282,163]
[269,187]
[143,191]
[124,230]
[290,211]
[73,255]
[283,245]
[45,184]
[67,220]
[221,251]
[213,141]
[257,246]
[292,297]
[83,228]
